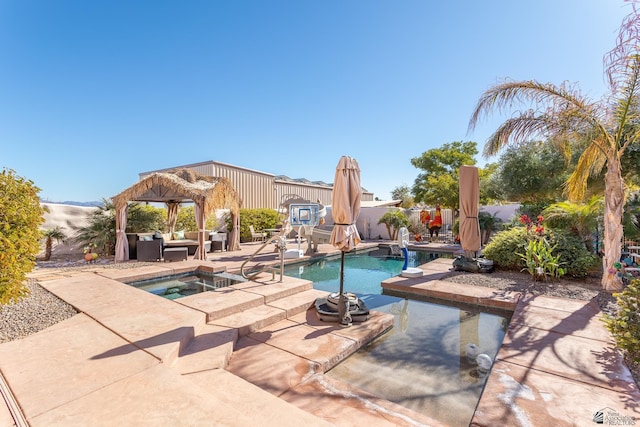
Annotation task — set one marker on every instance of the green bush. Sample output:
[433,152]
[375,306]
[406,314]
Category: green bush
[625,325]
[259,218]
[20,218]
[506,245]
[576,259]
[187,220]
[145,218]
[394,220]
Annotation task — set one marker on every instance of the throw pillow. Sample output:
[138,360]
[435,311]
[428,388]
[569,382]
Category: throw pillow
[178,235]
[146,238]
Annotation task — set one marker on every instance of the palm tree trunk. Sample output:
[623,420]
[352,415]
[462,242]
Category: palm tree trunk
[613,208]
[47,248]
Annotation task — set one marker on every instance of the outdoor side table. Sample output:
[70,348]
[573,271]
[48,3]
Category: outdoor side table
[175,254]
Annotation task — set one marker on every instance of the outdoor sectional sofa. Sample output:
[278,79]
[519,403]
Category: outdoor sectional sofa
[151,246]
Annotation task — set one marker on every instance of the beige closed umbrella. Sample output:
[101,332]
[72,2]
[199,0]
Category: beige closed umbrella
[345,209]
[469,208]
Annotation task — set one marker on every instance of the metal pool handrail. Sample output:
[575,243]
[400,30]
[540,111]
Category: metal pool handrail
[281,245]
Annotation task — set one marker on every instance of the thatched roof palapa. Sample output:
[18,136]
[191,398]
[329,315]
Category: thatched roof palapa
[182,185]
[174,187]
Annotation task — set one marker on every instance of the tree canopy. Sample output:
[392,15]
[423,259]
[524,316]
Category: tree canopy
[531,172]
[403,193]
[438,181]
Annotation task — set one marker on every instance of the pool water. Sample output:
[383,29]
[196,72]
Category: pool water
[363,273]
[421,362]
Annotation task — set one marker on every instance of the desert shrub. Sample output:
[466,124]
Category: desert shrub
[20,218]
[625,324]
[506,245]
[259,218]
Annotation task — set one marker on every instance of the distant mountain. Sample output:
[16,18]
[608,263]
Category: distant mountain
[72,203]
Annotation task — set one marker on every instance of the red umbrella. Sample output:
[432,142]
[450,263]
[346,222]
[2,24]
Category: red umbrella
[345,209]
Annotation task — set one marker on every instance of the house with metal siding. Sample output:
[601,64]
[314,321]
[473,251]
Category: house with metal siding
[260,189]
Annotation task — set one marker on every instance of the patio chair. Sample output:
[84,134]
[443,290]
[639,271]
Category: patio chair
[257,236]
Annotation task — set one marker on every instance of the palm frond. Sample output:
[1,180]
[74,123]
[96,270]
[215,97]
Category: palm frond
[530,93]
[590,163]
[627,45]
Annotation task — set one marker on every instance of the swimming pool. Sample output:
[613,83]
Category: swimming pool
[421,362]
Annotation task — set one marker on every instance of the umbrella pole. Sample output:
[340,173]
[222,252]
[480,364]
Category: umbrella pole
[343,301]
[341,273]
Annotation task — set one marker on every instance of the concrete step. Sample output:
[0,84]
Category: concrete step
[211,348]
[224,302]
[297,299]
[252,319]
[235,313]
[298,303]
[272,290]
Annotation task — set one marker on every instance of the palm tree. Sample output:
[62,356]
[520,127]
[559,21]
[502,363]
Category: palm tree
[580,218]
[488,224]
[563,115]
[50,235]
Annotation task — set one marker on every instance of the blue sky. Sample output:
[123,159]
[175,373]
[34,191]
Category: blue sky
[94,92]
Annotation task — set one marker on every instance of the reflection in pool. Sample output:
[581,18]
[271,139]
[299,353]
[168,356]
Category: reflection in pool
[421,362]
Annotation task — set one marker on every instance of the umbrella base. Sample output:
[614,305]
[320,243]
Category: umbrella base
[328,311]
[473,265]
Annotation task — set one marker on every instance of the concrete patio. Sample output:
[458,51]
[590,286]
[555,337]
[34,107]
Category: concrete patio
[253,354]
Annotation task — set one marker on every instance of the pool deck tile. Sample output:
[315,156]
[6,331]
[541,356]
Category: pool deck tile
[451,291]
[576,318]
[557,366]
[154,397]
[254,400]
[517,395]
[158,325]
[155,362]
[70,359]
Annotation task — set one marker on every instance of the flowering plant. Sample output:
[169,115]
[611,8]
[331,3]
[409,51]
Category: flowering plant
[539,228]
[538,257]
[89,248]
